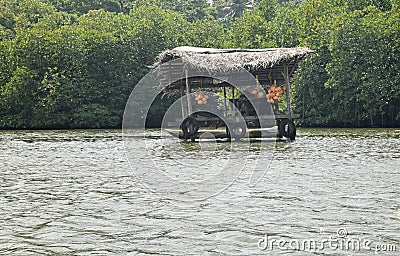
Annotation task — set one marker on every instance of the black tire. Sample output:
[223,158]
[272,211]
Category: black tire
[279,135]
[287,129]
[228,134]
[237,131]
[190,127]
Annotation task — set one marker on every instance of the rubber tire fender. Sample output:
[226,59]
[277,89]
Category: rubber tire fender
[186,123]
[242,134]
[290,132]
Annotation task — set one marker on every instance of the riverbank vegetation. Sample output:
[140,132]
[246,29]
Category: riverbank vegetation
[73,64]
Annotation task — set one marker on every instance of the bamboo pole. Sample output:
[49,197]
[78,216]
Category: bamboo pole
[189,100]
[289,105]
[233,101]
[225,104]
[182,104]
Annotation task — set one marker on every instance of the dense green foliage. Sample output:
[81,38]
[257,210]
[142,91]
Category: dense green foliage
[72,64]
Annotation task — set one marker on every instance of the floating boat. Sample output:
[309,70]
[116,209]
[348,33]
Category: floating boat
[230,93]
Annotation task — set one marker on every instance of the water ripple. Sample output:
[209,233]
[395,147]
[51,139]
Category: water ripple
[73,193]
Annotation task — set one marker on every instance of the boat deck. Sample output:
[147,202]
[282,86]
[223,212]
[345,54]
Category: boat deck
[221,133]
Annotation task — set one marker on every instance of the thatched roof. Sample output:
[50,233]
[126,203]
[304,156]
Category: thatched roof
[230,59]
[267,64]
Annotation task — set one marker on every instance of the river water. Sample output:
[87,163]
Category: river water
[75,193]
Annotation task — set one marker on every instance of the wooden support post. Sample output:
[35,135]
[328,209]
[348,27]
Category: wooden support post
[233,101]
[225,104]
[287,78]
[183,104]
[189,100]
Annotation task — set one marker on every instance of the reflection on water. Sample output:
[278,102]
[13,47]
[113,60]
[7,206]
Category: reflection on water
[74,192]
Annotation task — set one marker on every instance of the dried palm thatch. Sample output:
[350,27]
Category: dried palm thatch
[225,60]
